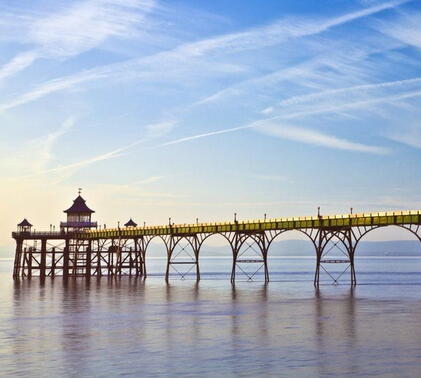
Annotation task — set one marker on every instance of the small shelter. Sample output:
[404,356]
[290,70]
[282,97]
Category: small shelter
[130,223]
[24,226]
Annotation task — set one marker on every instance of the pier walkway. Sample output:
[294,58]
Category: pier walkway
[76,251]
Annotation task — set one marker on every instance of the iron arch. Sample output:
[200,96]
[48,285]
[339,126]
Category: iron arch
[365,232]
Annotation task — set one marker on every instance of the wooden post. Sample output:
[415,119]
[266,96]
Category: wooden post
[18,259]
[98,259]
[30,252]
[24,263]
[53,262]
[130,261]
[88,259]
[43,259]
[66,259]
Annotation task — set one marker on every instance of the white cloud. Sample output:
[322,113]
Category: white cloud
[357,89]
[252,39]
[18,63]
[408,135]
[337,105]
[288,132]
[278,32]
[316,138]
[74,29]
[152,131]
[406,28]
[47,142]
[85,25]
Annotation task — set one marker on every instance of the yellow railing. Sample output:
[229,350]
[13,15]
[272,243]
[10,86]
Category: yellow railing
[342,220]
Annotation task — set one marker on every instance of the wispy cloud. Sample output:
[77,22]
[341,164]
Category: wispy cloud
[288,132]
[203,135]
[152,131]
[348,90]
[279,31]
[18,63]
[408,135]
[74,29]
[341,104]
[406,28]
[317,138]
[252,39]
[47,142]
[52,87]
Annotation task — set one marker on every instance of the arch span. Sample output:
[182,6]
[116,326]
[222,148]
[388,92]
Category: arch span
[413,229]
[215,255]
[388,265]
[156,263]
[227,236]
[272,236]
[278,267]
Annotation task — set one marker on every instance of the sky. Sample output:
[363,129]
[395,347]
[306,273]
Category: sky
[202,109]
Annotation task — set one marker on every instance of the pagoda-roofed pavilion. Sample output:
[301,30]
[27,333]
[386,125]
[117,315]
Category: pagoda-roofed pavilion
[130,223]
[78,216]
[24,226]
[79,206]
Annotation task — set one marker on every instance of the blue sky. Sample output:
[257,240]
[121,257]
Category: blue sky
[205,108]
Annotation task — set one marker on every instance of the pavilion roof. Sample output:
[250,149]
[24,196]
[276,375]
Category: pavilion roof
[25,223]
[131,223]
[79,206]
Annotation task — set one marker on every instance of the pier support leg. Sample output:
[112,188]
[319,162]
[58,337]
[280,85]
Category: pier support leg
[234,264]
[18,259]
[30,258]
[317,273]
[197,266]
[256,243]
[264,251]
[343,244]
[66,253]
[53,262]
[25,263]
[167,272]
[176,250]
[98,258]
[88,260]
[351,253]
[43,259]
[143,262]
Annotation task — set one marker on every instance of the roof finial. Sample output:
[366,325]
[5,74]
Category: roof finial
[79,191]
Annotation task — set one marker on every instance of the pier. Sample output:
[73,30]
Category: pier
[82,249]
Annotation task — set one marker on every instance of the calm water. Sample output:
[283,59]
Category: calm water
[147,328]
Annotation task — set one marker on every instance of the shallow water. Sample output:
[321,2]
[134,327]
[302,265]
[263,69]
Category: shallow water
[110,327]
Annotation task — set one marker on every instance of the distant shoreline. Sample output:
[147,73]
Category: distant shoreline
[4,259]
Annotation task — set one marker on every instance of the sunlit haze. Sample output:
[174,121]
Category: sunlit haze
[202,109]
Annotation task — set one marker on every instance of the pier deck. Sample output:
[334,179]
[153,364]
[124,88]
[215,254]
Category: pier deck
[123,250]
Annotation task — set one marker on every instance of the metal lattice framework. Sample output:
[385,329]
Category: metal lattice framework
[122,251]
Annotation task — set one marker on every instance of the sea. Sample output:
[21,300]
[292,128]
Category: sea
[130,326]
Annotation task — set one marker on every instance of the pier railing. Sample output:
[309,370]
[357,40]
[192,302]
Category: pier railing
[42,234]
[329,221]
